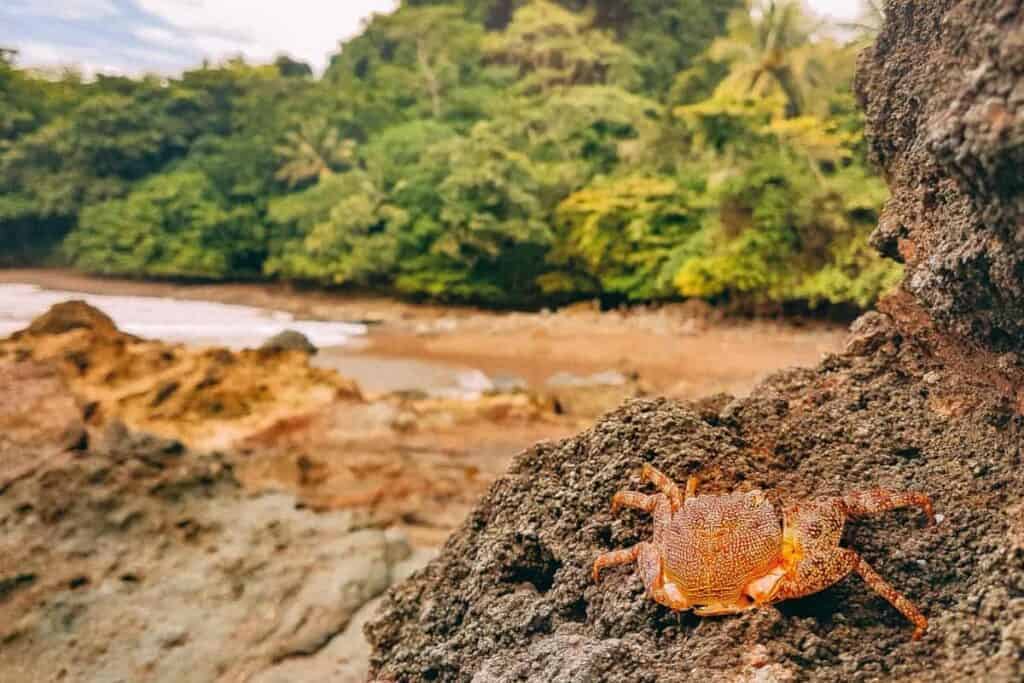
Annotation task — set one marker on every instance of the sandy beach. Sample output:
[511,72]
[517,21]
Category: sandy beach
[681,350]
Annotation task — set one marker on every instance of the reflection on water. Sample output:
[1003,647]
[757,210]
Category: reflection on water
[181,320]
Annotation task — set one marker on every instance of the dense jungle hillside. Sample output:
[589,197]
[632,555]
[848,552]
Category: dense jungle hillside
[505,152]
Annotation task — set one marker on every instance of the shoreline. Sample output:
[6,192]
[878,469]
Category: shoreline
[679,350]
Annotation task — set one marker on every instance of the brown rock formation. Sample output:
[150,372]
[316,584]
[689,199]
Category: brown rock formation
[209,398]
[417,462]
[135,559]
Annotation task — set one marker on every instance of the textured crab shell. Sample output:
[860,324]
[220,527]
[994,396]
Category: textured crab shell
[715,545]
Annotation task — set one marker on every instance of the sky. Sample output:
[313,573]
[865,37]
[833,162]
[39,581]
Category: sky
[167,36]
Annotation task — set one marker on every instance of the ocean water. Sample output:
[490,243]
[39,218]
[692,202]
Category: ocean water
[178,320]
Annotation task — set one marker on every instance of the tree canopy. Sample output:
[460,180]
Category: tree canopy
[506,152]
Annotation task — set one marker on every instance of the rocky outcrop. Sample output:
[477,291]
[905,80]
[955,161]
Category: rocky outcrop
[511,596]
[413,461]
[135,559]
[72,315]
[209,398]
[943,89]
[39,419]
[929,395]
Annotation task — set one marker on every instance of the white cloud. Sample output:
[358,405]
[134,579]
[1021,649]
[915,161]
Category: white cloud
[305,29]
[94,59]
[71,10]
[42,54]
[47,56]
[155,35]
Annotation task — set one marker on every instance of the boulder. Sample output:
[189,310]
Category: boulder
[206,397]
[943,90]
[289,340]
[511,596]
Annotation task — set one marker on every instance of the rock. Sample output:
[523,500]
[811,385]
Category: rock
[345,659]
[72,315]
[610,378]
[39,419]
[508,384]
[209,398]
[512,586]
[869,332]
[473,382]
[139,560]
[591,395]
[289,340]
[439,326]
[945,127]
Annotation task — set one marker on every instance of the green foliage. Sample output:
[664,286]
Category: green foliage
[507,152]
[616,237]
[414,63]
[781,230]
[313,151]
[483,238]
[340,231]
[173,225]
[552,47]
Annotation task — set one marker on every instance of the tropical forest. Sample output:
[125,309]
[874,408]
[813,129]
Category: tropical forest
[508,153]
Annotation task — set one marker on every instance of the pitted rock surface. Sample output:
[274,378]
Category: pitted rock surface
[511,597]
[943,90]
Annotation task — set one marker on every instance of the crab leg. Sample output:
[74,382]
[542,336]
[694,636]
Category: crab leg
[632,499]
[648,561]
[652,572]
[717,610]
[615,558]
[664,484]
[811,577]
[877,501]
[895,598]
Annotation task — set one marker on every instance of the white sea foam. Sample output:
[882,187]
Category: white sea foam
[169,319]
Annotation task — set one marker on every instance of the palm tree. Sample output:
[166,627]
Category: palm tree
[769,49]
[313,150]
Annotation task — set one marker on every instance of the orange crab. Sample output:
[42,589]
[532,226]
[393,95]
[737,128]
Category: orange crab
[727,554]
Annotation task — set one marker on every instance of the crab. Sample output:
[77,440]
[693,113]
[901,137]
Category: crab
[725,554]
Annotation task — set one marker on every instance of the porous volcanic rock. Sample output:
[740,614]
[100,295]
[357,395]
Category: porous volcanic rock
[929,395]
[511,597]
[943,89]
